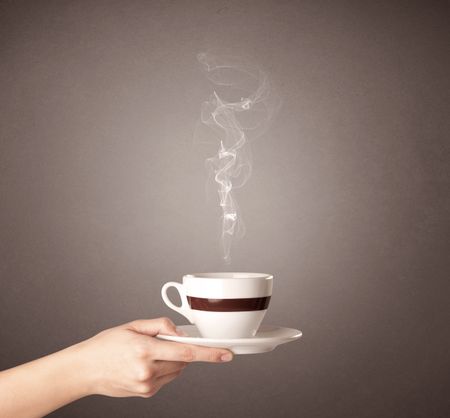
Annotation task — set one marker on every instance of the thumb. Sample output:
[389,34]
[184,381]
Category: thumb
[154,327]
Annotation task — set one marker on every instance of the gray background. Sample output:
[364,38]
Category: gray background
[102,195]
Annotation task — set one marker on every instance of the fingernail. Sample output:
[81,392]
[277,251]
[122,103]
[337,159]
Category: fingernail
[226,357]
[180,332]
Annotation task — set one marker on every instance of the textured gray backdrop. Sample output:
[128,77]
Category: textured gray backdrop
[102,195]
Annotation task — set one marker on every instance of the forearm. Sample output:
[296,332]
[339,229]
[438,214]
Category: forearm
[35,389]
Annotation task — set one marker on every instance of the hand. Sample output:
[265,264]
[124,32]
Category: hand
[128,361]
[123,361]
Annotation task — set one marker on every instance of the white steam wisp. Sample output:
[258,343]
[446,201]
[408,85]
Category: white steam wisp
[234,123]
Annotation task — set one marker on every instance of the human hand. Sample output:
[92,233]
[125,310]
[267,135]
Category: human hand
[128,361]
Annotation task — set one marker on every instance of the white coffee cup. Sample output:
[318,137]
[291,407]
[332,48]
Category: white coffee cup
[223,305]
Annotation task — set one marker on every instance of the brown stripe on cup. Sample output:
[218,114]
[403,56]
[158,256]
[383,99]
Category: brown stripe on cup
[228,305]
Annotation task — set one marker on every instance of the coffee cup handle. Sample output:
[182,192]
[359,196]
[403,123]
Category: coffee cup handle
[184,309]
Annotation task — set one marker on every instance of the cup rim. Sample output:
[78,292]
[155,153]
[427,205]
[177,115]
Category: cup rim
[229,275]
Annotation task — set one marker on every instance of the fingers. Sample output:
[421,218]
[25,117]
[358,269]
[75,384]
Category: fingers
[148,389]
[163,368]
[172,351]
[163,380]
[153,327]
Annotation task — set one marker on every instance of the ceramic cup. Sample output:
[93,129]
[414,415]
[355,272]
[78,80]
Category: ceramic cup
[223,305]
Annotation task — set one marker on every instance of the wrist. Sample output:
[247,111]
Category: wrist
[79,367]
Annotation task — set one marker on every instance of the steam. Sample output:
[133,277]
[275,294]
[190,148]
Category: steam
[238,111]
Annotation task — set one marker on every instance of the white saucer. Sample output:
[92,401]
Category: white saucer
[266,339]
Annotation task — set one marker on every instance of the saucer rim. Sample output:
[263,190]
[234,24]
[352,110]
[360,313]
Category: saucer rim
[251,340]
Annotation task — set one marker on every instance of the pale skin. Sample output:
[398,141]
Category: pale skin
[126,360]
